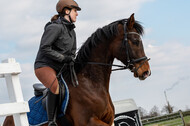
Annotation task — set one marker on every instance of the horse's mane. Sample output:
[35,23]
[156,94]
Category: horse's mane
[100,35]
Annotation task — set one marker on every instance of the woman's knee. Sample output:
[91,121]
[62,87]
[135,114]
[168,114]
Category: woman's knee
[55,88]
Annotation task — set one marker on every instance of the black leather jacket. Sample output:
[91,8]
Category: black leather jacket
[58,39]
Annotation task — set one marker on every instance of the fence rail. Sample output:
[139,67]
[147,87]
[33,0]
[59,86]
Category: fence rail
[169,118]
[10,70]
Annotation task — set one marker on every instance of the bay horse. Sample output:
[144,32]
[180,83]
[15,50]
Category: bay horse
[90,103]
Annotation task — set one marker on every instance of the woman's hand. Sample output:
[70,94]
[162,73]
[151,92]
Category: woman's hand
[67,59]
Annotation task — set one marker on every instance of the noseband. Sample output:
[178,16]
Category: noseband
[130,61]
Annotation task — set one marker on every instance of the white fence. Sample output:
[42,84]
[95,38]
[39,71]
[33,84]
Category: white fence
[10,70]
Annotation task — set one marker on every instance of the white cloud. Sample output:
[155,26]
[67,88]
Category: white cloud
[23,19]
[105,9]
[148,31]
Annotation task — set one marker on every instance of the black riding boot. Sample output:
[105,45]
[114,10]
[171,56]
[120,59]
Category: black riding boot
[51,107]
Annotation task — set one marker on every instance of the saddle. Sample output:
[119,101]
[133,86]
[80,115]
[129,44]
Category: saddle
[41,90]
[37,104]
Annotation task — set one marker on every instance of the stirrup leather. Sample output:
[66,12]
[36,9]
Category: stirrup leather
[52,123]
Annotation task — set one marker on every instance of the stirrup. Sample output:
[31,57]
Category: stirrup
[52,123]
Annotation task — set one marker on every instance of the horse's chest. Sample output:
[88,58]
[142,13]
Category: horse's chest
[92,100]
[102,107]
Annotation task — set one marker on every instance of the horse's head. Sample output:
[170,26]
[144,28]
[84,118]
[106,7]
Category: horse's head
[128,48]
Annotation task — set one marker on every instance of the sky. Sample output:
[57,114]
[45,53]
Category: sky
[166,42]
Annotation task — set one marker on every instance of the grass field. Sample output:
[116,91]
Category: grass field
[187,120]
[174,122]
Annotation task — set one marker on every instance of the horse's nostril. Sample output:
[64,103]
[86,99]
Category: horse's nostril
[146,74]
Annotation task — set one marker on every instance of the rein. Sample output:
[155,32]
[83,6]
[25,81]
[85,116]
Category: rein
[122,67]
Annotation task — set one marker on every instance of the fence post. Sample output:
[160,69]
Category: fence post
[181,115]
[10,70]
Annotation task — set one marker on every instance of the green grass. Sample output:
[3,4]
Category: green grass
[187,119]
[173,122]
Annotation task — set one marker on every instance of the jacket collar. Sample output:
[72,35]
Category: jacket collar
[69,25]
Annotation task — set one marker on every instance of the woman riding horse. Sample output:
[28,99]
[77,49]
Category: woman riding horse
[90,103]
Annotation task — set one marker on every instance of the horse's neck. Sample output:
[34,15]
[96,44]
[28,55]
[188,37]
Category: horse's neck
[99,73]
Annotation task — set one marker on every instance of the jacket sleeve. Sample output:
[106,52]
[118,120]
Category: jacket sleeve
[49,36]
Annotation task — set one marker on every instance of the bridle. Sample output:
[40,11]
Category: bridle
[130,61]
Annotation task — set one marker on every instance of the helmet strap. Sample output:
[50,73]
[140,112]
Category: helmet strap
[70,19]
[69,16]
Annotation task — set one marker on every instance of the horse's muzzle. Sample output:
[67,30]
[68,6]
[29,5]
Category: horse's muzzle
[145,75]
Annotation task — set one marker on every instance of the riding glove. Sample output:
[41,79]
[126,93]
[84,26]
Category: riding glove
[67,59]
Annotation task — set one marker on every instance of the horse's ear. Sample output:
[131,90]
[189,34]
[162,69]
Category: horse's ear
[131,21]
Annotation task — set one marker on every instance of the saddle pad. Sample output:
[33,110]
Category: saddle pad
[38,115]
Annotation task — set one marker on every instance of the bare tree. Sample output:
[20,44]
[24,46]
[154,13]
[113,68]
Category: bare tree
[154,111]
[143,113]
[167,109]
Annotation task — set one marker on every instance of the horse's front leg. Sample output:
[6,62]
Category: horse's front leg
[96,122]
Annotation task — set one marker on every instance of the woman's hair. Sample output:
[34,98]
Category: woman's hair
[55,17]
[63,13]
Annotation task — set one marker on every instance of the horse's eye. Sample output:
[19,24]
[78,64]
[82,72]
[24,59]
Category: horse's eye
[135,42]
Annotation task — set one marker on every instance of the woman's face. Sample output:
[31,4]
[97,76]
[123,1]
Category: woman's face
[74,14]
